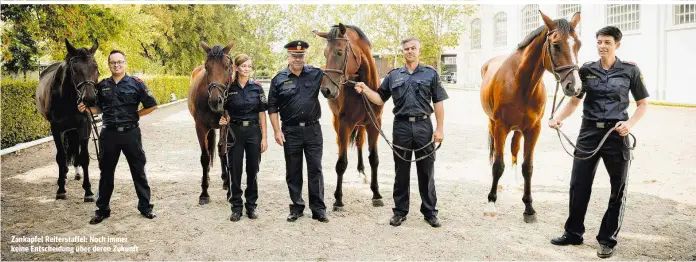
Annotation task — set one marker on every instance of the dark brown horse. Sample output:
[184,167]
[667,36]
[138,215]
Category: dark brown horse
[62,86]
[514,98]
[207,95]
[348,59]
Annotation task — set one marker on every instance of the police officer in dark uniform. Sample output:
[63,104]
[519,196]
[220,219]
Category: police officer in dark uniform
[118,98]
[413,86]
[294,94]
[246,105]
[606,84]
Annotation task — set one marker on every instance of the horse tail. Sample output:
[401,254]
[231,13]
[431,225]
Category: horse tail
[211,145]
[71,143]
[354,135]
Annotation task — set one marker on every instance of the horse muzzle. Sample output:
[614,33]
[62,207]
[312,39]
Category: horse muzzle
[330,93]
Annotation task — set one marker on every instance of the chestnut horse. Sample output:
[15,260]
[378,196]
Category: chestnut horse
[349,60]
[514,98]
[207,94]
[62,86]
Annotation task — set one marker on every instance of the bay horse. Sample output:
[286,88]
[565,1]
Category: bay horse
[207,94]
[62,86]
[349,60]
[513,96]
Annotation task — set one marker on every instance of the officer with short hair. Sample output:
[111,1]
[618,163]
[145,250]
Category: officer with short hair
[294,95]
[414,86]
[118,98]
[606,84]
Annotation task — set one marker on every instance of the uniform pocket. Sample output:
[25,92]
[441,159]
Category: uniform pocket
[620,88]
[398,90]
[288,90]
[424,89]
[129,96]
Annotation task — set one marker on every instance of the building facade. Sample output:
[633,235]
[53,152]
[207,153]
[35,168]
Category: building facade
[660,39]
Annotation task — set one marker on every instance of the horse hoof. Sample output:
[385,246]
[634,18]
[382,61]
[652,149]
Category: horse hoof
[89,199]
[490,210]
[225,187]
[377,203]
[61,196]
[530,218]
[204,200]
[338,209]
[77,176]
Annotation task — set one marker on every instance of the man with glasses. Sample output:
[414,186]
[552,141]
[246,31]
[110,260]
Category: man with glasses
[118,98]
[294,94]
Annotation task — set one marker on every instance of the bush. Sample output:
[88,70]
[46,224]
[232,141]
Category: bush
[21,122]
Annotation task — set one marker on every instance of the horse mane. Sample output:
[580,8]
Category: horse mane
[335,33]
[562,26]
[50,79]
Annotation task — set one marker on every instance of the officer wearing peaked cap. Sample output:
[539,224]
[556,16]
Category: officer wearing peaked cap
[293,99]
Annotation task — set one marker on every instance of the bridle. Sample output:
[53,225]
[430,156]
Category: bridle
[80,98]
[559,78]
[344,78]
[222,87]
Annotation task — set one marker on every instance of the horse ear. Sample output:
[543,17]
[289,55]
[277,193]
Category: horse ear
[94,47]
[575,20]
[342,28]
[205,47]
[548,21]
[228,47]
[71,49]
[320,34]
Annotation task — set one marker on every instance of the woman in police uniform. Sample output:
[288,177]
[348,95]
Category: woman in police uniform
[606,85]
[246,106]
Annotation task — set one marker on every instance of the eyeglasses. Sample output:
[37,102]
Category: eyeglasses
[117,63]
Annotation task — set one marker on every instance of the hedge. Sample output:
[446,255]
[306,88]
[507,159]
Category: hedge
[21,122]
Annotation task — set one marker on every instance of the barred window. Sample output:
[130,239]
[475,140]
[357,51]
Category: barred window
[625,17]
[684,14]
[530,19]
[476,34]
[450,60]
[500,26]
[567,11]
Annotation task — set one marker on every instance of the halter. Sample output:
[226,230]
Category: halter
[555,70]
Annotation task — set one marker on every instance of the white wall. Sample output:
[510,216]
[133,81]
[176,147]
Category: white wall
[663,52]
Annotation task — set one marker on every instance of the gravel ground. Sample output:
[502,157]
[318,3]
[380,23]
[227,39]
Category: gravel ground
[659,222]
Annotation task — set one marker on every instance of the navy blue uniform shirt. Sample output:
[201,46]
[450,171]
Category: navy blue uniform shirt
[412,92]
[296,98]
[606,91]
[244,104]
[119,102]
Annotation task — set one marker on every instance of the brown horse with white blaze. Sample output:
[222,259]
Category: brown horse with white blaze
[514,98]
[349,60]
[207,94]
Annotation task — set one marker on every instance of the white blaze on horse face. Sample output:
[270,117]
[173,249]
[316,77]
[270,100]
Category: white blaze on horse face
[574,59]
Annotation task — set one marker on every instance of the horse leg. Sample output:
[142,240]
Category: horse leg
[84,162]
[514,149]
[500,133]
[530,139]
[344,132]
[204,198]
[372,139]
[62,161]
[359,141]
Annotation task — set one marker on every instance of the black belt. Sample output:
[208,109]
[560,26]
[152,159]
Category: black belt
[254,122]
[121,127]
[296,123]
[600,123]
[411,118]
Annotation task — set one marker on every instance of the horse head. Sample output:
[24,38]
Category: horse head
[342,60]
[219,74]
[562,47]
[83,72]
